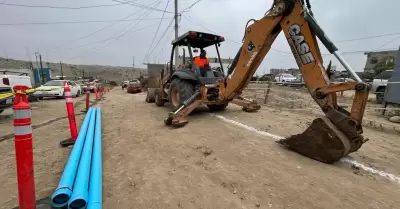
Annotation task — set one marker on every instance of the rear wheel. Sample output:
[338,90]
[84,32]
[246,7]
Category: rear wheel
[220,107]
[158,98]
[179,91]
[380,93]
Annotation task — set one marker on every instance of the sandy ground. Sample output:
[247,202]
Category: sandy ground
[210,163]
[299,100]
[48,156]
[43,110]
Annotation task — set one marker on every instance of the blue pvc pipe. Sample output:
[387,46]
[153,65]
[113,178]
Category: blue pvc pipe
[79,195]
[64,189]
[95,185]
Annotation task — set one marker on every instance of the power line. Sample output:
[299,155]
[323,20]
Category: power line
[115,38]
[158,28]
[367,37]
[103,28]
[187,9]
[141,6]
[169,26]
[348,40]
[159,52]
[72,22]
[395,39]
[56,7]
[110,38]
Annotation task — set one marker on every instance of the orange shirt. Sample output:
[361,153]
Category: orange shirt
[201,62]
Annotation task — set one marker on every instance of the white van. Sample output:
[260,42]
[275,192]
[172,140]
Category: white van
[7,82]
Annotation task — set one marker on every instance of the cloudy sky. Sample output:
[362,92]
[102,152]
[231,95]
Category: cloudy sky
[112,35]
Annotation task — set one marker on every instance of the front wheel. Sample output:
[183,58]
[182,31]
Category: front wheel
[179,91]
[380,94]
[158,98]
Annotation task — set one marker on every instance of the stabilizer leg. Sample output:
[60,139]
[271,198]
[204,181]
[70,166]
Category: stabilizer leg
[246,104]
[178,118]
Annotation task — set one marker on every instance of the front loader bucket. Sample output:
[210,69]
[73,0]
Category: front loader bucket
[321,141]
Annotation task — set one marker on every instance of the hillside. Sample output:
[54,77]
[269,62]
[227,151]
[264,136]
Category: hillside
[115,73]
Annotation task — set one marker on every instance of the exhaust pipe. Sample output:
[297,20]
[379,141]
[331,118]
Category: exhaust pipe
[95,185]
[80,192]
[64,189]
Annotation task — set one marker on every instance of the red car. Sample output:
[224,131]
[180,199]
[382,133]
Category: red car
[134,87]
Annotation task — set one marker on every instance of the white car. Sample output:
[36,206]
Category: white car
[379,85]
[284,78]
[55,88]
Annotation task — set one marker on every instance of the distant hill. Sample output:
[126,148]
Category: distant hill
[115,73]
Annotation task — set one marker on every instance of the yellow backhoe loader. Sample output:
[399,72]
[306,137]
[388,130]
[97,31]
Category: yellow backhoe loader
[328,139]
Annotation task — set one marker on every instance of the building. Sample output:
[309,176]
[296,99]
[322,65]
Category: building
[374,58]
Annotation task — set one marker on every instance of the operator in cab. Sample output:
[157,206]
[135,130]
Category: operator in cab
[202,62]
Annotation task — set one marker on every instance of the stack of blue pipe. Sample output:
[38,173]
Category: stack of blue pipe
[80,185]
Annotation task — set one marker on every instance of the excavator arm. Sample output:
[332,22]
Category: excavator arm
[329,138]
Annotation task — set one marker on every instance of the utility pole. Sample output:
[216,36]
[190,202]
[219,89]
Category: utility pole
[62,74]
[133,61]
[176,33]
[41,67]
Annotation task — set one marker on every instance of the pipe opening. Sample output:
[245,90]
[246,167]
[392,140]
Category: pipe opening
[61,199]
[77,204]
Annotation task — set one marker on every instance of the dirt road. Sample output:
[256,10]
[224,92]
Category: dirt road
[211,163]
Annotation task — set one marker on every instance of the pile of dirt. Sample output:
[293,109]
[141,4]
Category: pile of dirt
[319,142]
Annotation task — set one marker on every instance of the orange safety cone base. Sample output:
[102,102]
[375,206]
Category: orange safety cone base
[67,142]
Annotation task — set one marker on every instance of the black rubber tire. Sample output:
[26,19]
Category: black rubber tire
[158,98]
[380,95]
[185,89]
[40,98]
[221,107]
[148,99]
[78,93]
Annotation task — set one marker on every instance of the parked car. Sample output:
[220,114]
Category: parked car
[82,85]
[284,78]
[342,80]
[7,83]
[133,87]
[379,85]
[91,87]
[6,95]
[298,82]
[55,88]
[125,84]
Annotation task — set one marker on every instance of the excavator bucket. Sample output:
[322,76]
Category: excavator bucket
[321,141]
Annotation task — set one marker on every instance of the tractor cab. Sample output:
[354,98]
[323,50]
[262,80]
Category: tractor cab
[188,69]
